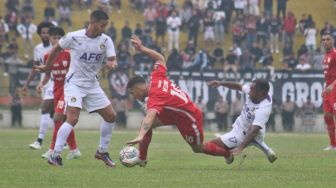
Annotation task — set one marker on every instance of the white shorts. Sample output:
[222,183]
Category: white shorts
[48,91]
[236,136]
[91,98]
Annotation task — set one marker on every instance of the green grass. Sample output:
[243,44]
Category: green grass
[301,163]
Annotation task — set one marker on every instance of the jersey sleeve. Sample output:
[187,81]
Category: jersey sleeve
[36,58]
[155,101]
[159,71]
[262,116]
[45,57]
[110,50]
[246,88]
[66,41]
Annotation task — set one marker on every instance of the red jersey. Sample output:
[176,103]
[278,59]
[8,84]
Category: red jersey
[329,66]
[58,71]
[164,96]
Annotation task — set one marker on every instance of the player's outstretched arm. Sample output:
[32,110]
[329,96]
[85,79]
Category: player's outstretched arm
[154,55]
[230,85]
[146,125]
[252,133]
[51,58]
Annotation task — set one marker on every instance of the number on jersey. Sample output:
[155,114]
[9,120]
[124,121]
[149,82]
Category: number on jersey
[174,90]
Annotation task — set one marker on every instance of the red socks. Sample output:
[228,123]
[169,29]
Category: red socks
[211,148]
[71,139]
[331,129]
[143,146]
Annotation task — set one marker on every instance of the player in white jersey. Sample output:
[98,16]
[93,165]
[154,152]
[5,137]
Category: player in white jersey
[47,92]
[89,49]
[249,128]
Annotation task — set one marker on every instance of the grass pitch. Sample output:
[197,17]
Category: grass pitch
[301,163]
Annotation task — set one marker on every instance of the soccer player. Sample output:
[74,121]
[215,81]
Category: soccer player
[250,127]
[167,105]
[88,48]
[58,71]
[329,92]
[47,92]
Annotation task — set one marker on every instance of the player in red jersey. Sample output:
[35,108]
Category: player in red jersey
[58,71]
[329,92]
[167,105]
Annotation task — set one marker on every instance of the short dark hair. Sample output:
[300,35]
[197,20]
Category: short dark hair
[135,80]
[43,25]
[99,15]
[262,86]
[54,31]
[327,33]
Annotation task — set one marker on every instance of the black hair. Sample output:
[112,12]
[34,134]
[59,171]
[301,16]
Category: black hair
[262,86]
[56,31]
[135,80]
[43,25]
[99,15]
[327,33]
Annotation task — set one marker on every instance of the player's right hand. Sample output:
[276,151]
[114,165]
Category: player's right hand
[136,42]
[39,88]
[40,68]
[24,91]
[134,141]
[214,83]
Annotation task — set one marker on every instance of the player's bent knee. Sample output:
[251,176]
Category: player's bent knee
[111,118]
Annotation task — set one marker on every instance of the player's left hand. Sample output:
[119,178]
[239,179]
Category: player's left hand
[134,141]
[111,65]
[236,151]
[327,90]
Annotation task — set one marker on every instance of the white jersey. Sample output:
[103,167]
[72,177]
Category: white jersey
[253,114]
[39,51]
[87,56]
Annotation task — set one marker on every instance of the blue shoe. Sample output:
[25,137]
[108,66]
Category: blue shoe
[56,161]
[106,158]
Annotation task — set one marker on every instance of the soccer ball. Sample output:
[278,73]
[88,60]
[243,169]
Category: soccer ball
[128,152]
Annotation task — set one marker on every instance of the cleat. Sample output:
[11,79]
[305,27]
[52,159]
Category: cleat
[271,156]
[35,145]
[217,135]
[65,147]
[328,148]
[74,154]
[229,159]
[134,161]
[106,158]
[47,154]
[55,161]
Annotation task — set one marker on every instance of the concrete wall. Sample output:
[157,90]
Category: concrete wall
[31,119]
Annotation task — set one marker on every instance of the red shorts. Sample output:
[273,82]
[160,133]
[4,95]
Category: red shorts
[189,125]
[59,104]
[329,102]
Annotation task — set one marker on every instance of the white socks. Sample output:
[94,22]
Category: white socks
[44,122]
[263,146]
[62,136]
[105,136]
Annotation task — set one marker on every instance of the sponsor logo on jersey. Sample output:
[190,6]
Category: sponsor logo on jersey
[65,63]
[73,99]
[233,139]
[90,57]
